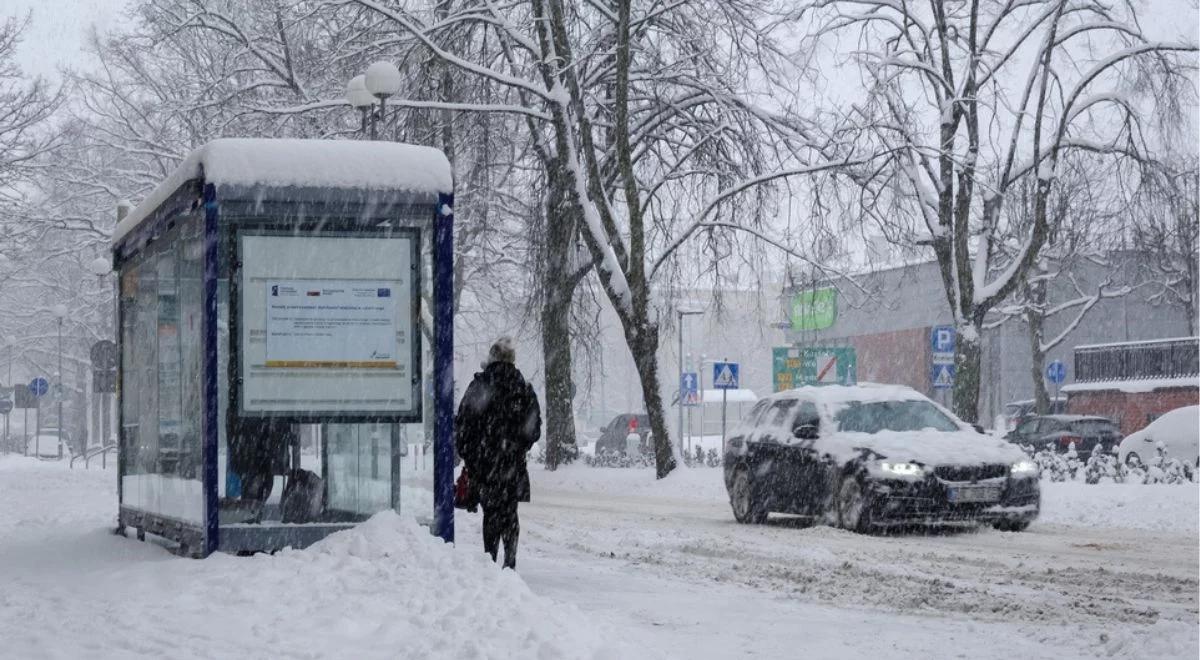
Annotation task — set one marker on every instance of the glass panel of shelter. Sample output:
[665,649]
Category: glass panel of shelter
[346,471]
[161,294]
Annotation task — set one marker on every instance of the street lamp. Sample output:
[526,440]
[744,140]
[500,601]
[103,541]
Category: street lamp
[60,311]
[682,313]
[10,341]
[381,81]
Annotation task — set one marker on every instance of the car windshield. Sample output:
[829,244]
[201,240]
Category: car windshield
[1094,427]
[877,416]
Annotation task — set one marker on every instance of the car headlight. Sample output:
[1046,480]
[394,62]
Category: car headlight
[1024,467]
[903,469]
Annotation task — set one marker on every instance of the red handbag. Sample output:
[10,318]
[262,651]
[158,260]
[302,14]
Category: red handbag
[463,497]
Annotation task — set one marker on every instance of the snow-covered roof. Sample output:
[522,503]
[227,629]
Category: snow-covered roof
[1134,386]
[833,394]
[288,163]
[1143,342]
[731,396]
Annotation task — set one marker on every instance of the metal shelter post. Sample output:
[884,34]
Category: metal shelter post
[443,369]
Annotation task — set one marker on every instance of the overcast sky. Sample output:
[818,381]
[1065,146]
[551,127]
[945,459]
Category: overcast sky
[58,30]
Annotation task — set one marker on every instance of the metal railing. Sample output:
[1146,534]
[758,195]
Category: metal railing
[1167,358]
[101,451]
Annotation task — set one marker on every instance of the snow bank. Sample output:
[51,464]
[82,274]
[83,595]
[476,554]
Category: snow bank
[1159,507]
[385,589]
[345,164]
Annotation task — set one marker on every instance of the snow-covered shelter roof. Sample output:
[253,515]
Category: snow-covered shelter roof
[301,164]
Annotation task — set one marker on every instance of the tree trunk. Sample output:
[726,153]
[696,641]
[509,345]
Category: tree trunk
[968,365]
[642,338]
[556,352]
[1034,316]
[558,290]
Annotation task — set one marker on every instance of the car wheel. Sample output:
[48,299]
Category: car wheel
[746,507]
[1132,459]
[853,507]
[1011,525]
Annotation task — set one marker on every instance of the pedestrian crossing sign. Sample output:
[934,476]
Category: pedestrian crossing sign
[725,375]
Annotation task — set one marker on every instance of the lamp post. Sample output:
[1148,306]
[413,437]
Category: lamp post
[100,266]
[682,313]
[10,341]
[60,311]
[381,81]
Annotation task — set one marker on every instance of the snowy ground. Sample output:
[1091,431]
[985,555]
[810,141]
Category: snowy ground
[613,565]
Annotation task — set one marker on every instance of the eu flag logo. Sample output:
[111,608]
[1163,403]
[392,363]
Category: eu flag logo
[384,293]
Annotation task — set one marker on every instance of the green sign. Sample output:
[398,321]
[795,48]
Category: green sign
[814,365]
[815,309]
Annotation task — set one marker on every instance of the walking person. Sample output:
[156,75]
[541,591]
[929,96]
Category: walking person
[498,422]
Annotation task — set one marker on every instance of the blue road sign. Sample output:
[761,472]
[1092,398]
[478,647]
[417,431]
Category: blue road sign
[941,338]
[725,375]
[1056,372]
[38,387]
[689,388]
[942,376]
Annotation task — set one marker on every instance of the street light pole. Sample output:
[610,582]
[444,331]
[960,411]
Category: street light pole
[682,313]
[61,312]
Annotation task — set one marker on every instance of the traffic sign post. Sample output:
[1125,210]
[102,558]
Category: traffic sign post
[689,388]
[37,388]
[725,378]
[942,339]
[1056,372]
[942,375]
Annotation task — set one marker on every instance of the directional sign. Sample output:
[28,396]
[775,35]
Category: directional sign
[941,338]
[689,388]
[38,387]
[725,375]
[1056,372]
[942,376]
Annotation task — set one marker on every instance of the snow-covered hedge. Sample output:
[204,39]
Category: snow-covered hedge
[611,459]
[1103,467]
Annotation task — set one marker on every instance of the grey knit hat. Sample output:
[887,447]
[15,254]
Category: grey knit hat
[504,350]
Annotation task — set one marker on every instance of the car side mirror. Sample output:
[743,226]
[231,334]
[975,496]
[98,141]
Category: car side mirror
[805,432]
[979,429]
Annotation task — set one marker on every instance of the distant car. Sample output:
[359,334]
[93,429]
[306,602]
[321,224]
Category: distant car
[1018,411]
[47,446]
[1058,432]
[612,435]
[868,456]
[1177,430]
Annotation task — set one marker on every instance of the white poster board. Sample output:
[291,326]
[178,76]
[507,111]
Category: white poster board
[328,326]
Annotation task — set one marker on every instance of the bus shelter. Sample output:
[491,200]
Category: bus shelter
[285,332]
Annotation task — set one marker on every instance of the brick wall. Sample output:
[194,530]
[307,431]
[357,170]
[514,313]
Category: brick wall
[1132,411]
[900,357]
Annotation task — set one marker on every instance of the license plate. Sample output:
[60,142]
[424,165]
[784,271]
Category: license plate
[974,494]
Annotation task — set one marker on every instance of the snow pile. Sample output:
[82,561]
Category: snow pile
[1163,508]
[386,589]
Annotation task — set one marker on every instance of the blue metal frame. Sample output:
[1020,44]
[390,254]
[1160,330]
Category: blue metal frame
[197,192]
[443,369]
[212,252]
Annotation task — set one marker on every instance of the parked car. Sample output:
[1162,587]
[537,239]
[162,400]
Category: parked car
[1019,411]
[1058,432]
[46,446]
[1178,431]
[868,456]
[612,435]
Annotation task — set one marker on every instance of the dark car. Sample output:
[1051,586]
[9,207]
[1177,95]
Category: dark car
[612,435]
[870,456]
[1019,411]
[1058,432]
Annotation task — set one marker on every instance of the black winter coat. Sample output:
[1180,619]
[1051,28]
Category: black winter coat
[498,422]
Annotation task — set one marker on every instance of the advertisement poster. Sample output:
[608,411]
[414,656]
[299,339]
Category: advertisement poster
[327,324]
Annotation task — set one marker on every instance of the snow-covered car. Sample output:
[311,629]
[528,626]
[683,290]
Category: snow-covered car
[868,456]
[47,447]
[1177,430]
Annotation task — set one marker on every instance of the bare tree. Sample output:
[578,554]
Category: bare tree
[970,98]
[1166,228]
